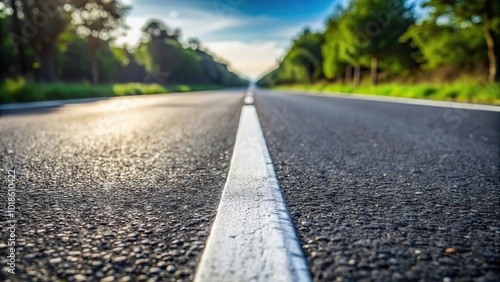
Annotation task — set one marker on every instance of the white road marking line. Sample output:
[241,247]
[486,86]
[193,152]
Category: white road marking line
[248,100]
[252,238]
[400,100]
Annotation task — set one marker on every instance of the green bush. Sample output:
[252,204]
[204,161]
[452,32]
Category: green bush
[19,90]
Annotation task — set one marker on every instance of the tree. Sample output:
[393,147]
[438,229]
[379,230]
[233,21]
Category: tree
[42,25]
[156,30]
[350,44]
[16,29]
[168,61]
[9,62]
[306,53]
[446,45]
[177,34]
[194,43]
[462,16]
[374,28]
[333,65]
[97,19]
[491,26]
[74,63]
[304,61]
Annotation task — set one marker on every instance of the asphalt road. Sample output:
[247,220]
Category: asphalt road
[125,188]
[383,191]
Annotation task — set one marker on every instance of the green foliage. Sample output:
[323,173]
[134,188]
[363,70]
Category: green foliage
[333,65]
[121,54]
[21,90]
[107,64]
[41,38]
[305,56]
[377,25]
[303,63]
[8,60]
[81,51]
[447,44]
[460,33]
[98,18]
[76,45]
[459,91]
[145,58]
[73,64]
[14,90]
[366,32]
[450,39]
[138,89]
[170,62]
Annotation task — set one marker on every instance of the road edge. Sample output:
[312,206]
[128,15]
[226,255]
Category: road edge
[390,99]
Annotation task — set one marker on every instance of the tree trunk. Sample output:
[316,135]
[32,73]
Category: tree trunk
[47,66]
[94,45]
[493,74]
[95,70]
[21,47]
[357,74]
[374,70]
[348,74]
[339,79]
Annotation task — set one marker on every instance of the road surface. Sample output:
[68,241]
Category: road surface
[380,191]
[127,189]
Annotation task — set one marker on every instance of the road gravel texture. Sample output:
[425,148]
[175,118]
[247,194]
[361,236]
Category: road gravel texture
[117,190]
[383,191]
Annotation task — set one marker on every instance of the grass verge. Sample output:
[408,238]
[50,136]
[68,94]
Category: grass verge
[470,92]
[20,90]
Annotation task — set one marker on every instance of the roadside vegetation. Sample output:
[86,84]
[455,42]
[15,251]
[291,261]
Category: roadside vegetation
[18,91]
[444,49]
[74,54]
[470,92]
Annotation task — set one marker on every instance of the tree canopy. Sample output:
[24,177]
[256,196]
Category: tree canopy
[74,41]
[390,38]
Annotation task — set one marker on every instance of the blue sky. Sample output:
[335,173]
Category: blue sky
[251,35]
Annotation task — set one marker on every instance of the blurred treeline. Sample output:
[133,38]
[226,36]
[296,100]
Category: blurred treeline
[72,41]
[374,41]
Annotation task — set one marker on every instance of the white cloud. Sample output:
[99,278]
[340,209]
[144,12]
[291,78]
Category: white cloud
[173,14]
[192,23]
[250,59]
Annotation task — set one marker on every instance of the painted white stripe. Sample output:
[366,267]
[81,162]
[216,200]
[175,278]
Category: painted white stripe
[248,100]
[252,238]
[399,100]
